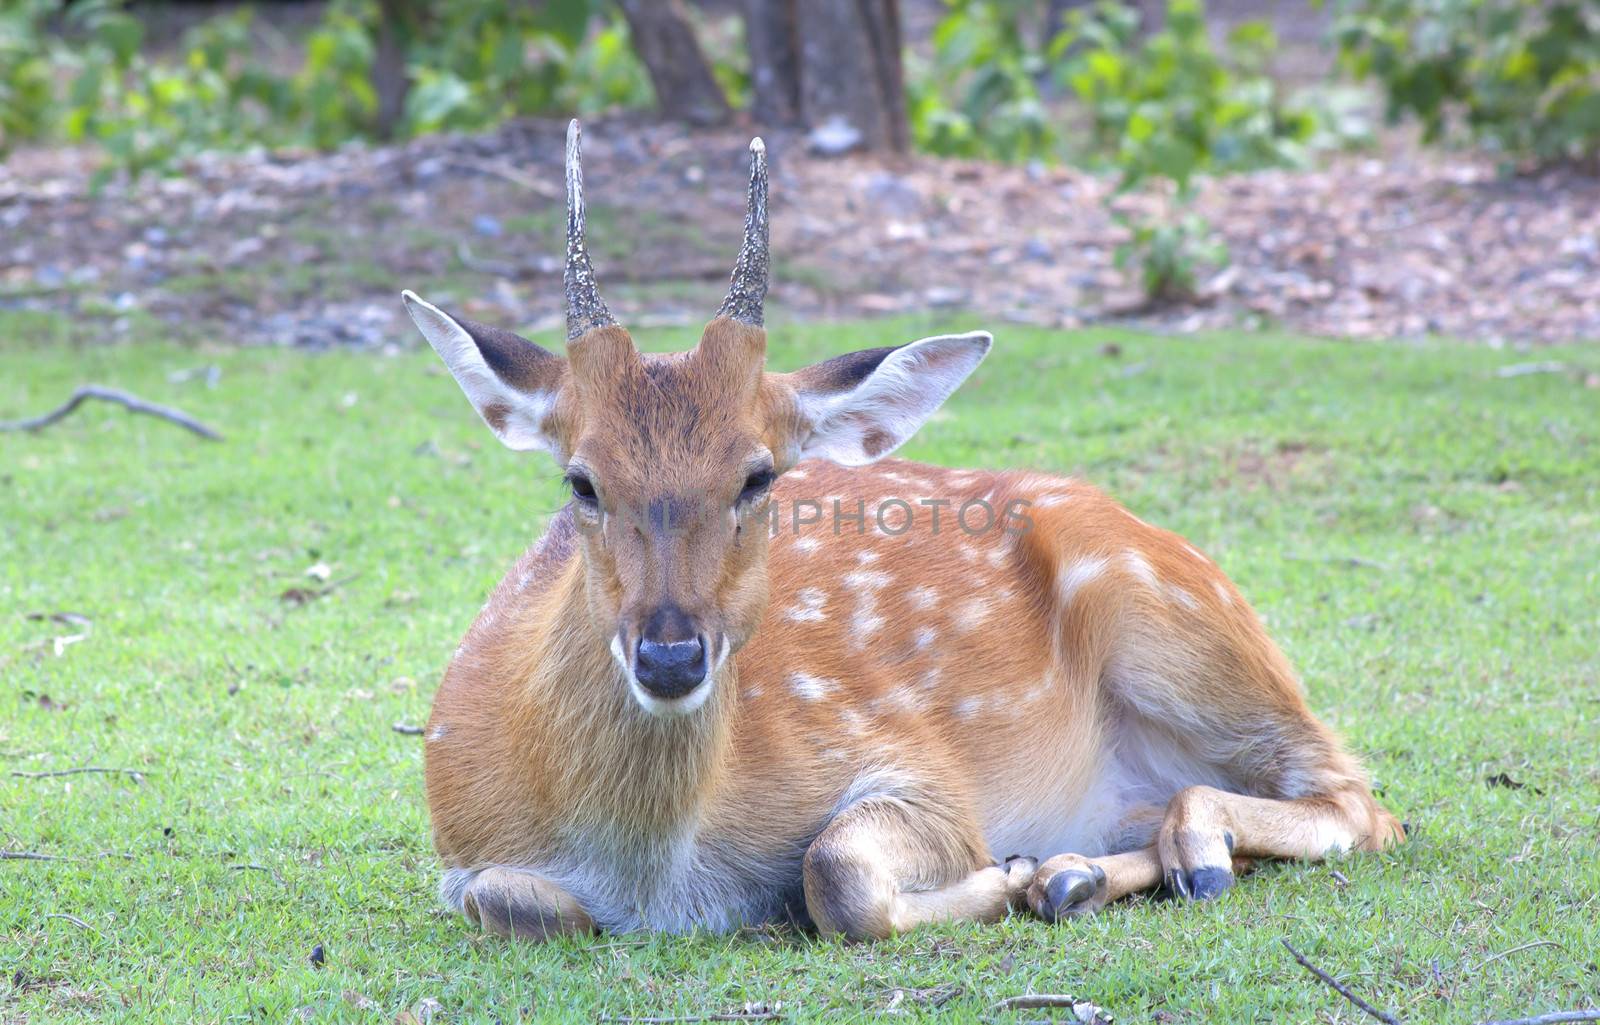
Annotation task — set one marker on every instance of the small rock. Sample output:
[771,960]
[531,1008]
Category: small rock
[1037,251]
[488,227]
[833,137]
[892,194]
[156,236]
[360,1001]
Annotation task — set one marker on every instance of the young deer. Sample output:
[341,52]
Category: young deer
[677,712]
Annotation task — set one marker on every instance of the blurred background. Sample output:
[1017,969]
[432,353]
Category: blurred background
[274,172]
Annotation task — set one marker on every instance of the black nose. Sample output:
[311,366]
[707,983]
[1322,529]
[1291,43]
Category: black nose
[671,669]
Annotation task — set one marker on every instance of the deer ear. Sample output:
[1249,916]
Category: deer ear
[510,381]
[862,406]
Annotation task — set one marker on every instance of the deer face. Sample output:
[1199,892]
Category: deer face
[671,458]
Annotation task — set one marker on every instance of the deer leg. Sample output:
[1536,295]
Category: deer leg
[1070,885]
[516,903]
[1207,831]
[879,868]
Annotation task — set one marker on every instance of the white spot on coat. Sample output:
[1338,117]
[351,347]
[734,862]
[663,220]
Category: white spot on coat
[1182,597]
[971,613]
[809,603]
[1075,576]
[866,583]
[1140,567]
[966,708]
[811,688]
[923,598]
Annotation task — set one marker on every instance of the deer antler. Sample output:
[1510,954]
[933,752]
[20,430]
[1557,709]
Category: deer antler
[585,309]
[747,290]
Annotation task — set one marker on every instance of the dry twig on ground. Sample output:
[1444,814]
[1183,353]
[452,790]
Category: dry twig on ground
[763,1014]
[132,403]
[1338,987]
[135,773]
[75,920]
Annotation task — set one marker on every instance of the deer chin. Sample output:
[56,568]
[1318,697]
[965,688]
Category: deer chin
[686,704]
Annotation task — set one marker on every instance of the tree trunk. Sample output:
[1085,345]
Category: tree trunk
[389,79]
[820,62]
[770,40]
[662,37]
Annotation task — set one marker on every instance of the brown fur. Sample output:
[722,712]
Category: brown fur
[891,701]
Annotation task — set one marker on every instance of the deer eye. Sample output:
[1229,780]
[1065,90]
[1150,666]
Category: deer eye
[582,488]
[756,483]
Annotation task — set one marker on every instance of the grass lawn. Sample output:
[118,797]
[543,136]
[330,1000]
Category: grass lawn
[1422,536]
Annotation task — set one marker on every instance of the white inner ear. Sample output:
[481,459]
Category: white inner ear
[878,415]
[515,416]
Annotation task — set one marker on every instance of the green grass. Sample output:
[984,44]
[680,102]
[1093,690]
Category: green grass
[1420,535]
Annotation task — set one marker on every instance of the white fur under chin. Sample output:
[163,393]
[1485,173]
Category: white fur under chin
[668,707]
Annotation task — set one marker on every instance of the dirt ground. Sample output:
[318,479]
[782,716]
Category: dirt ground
[311,249]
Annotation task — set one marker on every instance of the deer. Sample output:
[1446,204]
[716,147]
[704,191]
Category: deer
[681,710]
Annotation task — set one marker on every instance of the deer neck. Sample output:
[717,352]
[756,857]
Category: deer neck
[613,763]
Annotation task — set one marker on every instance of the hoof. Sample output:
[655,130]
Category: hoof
[1199,883]
[1072,892]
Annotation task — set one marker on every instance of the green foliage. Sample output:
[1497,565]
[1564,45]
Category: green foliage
[143,114]
[1170,253]
[1520,77]
[980,96]
[470,64]
[1157,107]
[24,70]
[1169,105]
[478,62]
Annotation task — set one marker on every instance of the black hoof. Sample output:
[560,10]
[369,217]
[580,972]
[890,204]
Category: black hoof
[1206,883]
[1200,883]
[1069,890]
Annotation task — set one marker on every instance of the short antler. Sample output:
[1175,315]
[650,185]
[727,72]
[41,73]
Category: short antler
[747,291]
[585,309]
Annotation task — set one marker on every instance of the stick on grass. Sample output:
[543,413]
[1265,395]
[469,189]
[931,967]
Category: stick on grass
[75,920]
[726,1016]
[135,773]
[1338,987]
[132,403]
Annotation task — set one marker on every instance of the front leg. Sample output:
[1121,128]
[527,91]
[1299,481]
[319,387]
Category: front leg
[516,903]
[883,866]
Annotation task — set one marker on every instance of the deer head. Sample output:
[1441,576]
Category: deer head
[671,458]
